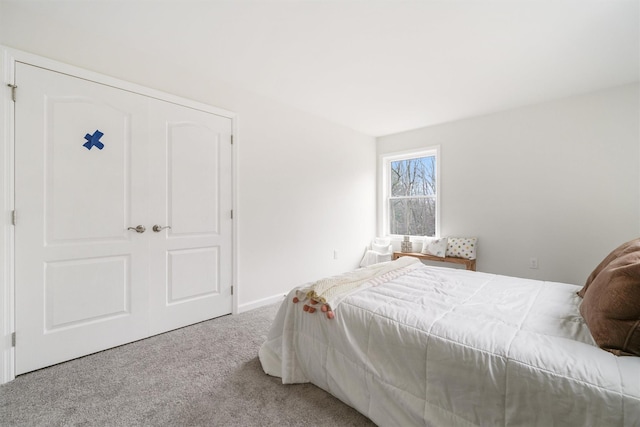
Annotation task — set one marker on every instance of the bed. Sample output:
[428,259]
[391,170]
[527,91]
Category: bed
[420,345]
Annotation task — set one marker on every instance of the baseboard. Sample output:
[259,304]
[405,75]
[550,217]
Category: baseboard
[260,303]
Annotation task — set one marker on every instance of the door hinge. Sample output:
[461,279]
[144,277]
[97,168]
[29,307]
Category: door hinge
[13,339]
[14,217]
[231,213]
[13,91]
[231,139]
[231,289]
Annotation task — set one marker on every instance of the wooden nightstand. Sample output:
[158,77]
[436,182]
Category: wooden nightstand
[470,264]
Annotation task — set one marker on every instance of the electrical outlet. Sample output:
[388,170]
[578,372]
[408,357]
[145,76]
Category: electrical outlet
[533,263]
[335,254]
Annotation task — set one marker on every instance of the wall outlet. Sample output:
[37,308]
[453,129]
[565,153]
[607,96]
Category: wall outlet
[335,254]
[533,263]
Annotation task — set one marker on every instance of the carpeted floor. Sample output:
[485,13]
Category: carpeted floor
[207,374]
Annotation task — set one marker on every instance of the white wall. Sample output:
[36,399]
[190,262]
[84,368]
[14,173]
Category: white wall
[559,181]
[305,186]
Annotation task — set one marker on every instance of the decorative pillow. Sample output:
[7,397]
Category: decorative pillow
[385,241]
[435,247]
[462,247]
[381,244]
[624,248]
[380,248]
[611,304]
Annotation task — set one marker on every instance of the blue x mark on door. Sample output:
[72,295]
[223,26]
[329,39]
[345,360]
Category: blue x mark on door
[93,140]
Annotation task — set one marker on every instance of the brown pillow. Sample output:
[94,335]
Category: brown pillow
[611,304]
[631,246]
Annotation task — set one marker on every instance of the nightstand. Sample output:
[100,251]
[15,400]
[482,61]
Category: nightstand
[470,264]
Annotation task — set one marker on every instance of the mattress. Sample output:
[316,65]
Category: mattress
[448,347]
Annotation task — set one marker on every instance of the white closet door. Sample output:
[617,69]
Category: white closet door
[78,270]
[93,162]
[190,158]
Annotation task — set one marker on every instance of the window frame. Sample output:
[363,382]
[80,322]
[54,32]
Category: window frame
[384,185]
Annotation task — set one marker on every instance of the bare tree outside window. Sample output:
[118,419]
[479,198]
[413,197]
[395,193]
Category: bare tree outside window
[412,201]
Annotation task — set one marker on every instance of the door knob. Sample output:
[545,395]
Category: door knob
[138,229]
[158,228]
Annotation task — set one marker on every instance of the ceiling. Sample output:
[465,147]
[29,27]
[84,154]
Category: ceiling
[380,66]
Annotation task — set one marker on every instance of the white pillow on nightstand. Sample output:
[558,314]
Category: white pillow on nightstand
[435,246]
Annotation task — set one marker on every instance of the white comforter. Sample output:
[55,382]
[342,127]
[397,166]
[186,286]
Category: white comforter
[447,347]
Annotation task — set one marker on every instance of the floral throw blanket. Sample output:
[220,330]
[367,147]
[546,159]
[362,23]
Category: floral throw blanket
[330,291]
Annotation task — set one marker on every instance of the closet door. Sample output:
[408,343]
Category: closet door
[80,183]
[123,209]
[190,201]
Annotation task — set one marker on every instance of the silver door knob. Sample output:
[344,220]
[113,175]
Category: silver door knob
[138,229]
[158,228]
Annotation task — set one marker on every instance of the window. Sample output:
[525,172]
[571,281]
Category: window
[410,193]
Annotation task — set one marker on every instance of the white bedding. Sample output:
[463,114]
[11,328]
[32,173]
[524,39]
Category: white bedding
[448,347]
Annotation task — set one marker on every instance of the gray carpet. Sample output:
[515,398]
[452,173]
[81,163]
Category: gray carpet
[207,374]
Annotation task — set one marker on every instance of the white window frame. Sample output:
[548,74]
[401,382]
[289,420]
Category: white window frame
[384,185]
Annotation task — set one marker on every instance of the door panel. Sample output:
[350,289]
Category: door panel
[193,273]
[75,262]
[192,270]
[66,282]
[193,159]
[104,172]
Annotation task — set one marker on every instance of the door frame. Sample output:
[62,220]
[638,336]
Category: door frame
[8,58]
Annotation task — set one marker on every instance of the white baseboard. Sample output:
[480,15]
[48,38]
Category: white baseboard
[260,303]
